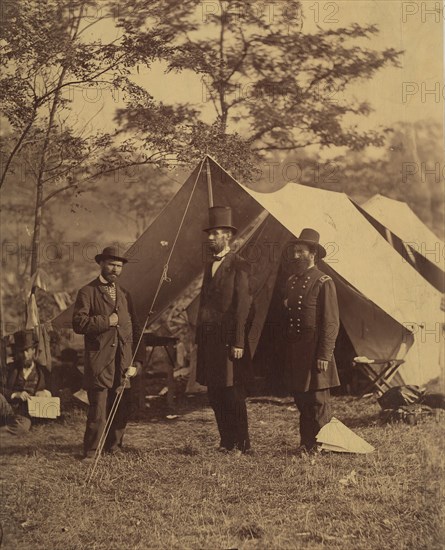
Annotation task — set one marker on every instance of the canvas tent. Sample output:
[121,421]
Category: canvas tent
[418,245]
[387,309]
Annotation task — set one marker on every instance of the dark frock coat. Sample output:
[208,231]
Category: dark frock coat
[312,327]
[223,322]
[106,348]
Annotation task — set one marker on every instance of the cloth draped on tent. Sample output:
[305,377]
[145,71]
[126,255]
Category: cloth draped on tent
[43,355]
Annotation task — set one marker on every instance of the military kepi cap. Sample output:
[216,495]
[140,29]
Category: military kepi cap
[110,253]
[309,236]
[220,217]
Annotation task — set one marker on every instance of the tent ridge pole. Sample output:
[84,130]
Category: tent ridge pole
[209,182]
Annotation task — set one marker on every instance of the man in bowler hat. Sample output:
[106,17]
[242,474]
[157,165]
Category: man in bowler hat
[104,314]
[312,324]
[223,357]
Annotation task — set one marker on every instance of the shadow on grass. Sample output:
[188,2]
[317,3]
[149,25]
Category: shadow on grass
[36,448]
[159,409]
[365,421]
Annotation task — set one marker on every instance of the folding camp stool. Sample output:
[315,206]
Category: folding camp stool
[377,379]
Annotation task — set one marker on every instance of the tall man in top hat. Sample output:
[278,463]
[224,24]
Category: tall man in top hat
[104,313]
[312,326]
[223,357]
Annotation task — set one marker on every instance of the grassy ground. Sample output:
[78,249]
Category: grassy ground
[171,489]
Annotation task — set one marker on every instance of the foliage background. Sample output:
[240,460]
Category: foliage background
[120,110]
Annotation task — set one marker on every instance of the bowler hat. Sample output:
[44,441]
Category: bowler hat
[311,237]
[110,253]
[24,339]
[220,217]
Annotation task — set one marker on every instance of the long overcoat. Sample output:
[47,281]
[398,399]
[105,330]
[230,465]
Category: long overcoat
[311,330]
[223,321]
[106,347]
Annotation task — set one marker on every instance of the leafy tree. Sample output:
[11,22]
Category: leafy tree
[273,85]
[48,52]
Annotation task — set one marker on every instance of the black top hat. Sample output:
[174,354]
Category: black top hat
[110,253]
[24,339]
[311,237]
[220,217]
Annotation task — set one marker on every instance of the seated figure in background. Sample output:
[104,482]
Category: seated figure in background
[26,378]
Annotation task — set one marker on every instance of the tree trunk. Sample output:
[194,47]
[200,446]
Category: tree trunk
[222,80]
[35,254]
[17,146]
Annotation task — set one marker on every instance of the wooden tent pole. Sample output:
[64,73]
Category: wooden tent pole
[209,183]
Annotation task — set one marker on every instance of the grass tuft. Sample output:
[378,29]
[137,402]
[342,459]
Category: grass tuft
[172,490]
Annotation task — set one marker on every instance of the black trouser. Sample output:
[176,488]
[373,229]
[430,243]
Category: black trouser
[229,406]
[101,401]
[315,412]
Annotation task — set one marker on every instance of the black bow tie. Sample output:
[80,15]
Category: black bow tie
[217,258]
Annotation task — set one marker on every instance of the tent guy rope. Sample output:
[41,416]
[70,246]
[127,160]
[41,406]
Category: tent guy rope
[163,279]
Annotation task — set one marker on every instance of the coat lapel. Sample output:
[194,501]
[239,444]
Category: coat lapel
[207,279]
[225,265]
[119,297]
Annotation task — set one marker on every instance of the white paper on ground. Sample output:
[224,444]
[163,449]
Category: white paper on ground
[82,395]
[337,437]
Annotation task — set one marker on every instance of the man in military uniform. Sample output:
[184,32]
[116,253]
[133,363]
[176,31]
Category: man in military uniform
[223,358]
[312,326]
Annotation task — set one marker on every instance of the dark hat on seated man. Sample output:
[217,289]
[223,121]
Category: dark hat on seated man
[24,339]
[311,237]
[110,253]
[220,217]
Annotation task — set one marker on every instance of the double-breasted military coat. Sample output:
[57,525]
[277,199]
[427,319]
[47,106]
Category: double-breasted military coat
[312,324]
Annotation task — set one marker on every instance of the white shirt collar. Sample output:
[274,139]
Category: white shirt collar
[224,252]
[26,371]
[222,255]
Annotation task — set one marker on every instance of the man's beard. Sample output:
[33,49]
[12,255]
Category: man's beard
[216,248]
[300,265]
[25,363]
[110,277]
